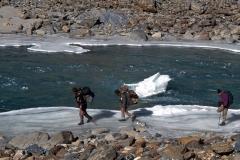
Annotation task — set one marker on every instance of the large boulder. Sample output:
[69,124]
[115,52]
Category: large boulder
[185,140]
[105,16]
[105,152]
[26,139]
[138,35]
[64,137]
[222,148]
[100,130]
[173,152]
[137,130]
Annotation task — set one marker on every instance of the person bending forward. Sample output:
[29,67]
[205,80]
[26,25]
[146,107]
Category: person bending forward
[223,106]
[82,105]
[124,105]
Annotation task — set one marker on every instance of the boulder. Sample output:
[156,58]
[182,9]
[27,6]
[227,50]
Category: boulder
[194,144]
[104,16]
[115,136]
[196,7]
[26,139]
[20,154]
[236,137]
[85,135]
[105,152]
[138,35]
[40,31]
[100,130]
[236,146]
[34,148]
[64,137]
[126,142]
[173,152]
[213,140]
[222,148]
[186,140]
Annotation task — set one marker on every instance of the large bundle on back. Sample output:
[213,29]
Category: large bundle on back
[132,96]
[87,94]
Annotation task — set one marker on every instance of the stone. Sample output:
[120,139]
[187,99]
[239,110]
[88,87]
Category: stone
[236,137]
[222,147]
[213,140]
[21,154]
[196,7]
[66,29]
[138,35]
[157,35]
[61,153]
[34,148]
[105,151]
[105,16]
[153,145]
[64,137]
[236,146]
[185,140]
[100,130]
[114,136]
[50,157]
[174,152]
[40,32]
[192,145]
[54,150]
[26,139]
[6,24]
[126,142]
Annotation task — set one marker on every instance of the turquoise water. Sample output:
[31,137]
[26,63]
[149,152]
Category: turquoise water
[37,79]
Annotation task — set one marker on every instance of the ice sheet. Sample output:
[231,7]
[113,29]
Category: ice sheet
[62,43]
[170,121]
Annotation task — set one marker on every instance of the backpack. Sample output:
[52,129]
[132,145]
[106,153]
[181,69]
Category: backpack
[230,97]
[88,95]
[132,97]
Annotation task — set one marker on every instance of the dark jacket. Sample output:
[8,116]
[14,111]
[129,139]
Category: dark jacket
[123,100]
[224,99]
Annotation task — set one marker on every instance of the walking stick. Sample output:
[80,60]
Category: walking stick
[89,118]
[219,119]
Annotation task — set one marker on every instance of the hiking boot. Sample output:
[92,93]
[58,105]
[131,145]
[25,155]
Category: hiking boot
[81,123]
[133,118]
[89,119]
[222,124]
[122,120]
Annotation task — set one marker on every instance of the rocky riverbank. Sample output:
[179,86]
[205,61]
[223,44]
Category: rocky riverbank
[133,142]
[141,20]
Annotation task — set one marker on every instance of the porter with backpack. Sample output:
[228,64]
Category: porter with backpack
[87,94]
[126,98]
[132,97]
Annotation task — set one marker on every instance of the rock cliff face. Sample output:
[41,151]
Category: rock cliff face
[216,20]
